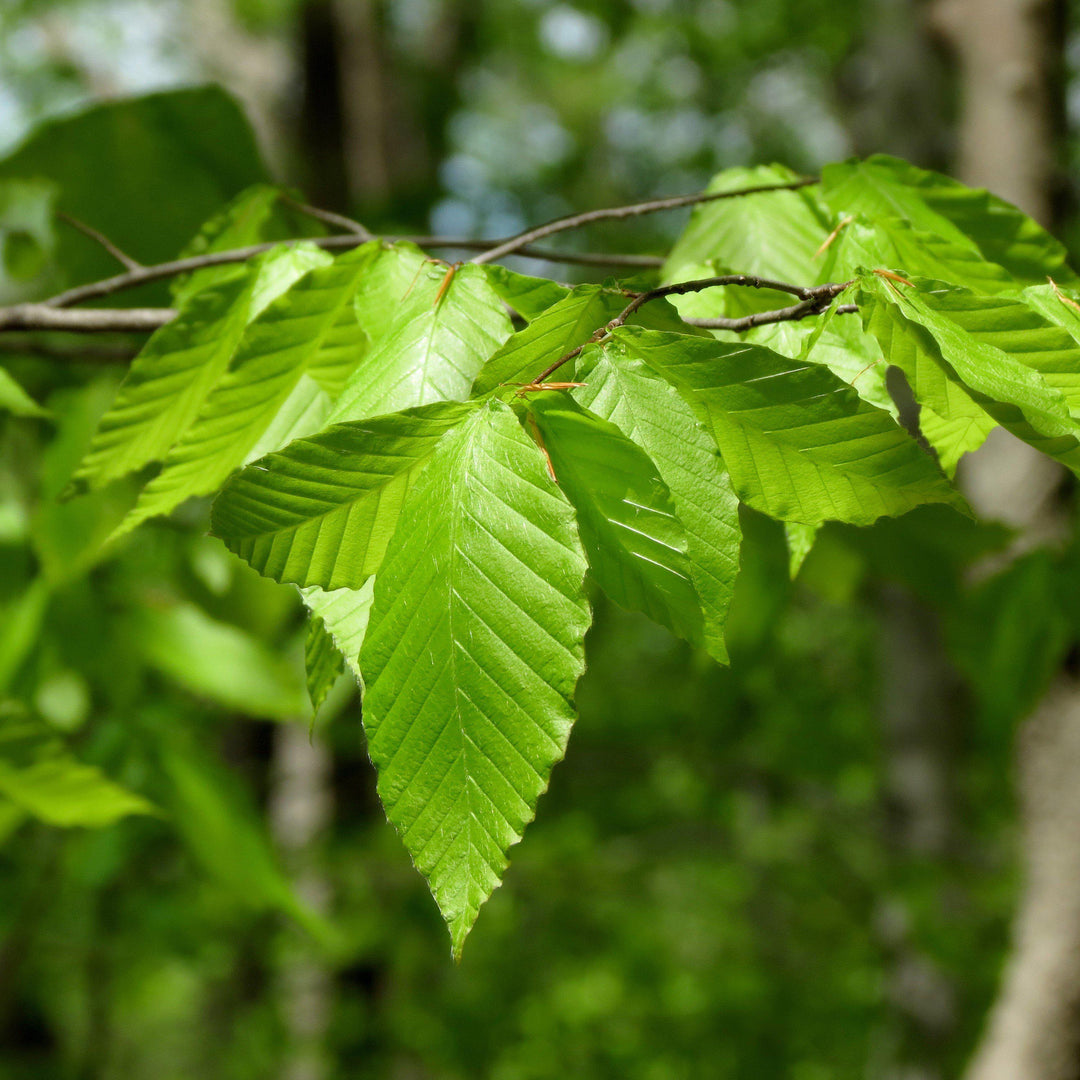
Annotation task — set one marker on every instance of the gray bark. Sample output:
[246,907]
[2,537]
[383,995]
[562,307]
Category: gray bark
[1008,52]
[1034,1028]
[300,810]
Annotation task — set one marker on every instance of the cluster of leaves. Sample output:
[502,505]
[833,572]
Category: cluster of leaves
[371,430]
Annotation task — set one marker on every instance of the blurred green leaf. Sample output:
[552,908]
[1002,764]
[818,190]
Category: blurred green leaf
[171,159]
[220,662]
[27,226]
[15,400]
[63,791]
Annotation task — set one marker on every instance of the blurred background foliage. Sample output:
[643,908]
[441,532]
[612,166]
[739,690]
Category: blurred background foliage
[757,872]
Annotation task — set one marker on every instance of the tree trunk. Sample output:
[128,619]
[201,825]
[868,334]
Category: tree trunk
[300,810]
[1010,63]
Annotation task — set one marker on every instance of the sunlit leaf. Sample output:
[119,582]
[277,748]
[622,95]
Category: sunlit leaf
[273,355]
[623,389]
[633,538]
[169,381]
[883,187]
[471,656]
[439,338]
[799,444]
[321,511]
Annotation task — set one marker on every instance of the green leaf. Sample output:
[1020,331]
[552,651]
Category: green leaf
[800,444]
[344,613]
[528,296]
[322,661]
[433,348]
[169,381]
[62,791]
[171,158]
[647,409]
[27,217]
[20,628]
[257,215]
[273,355]
[221,662]
[886,187]
[635,542]
[471,657]
[1023,370]
[844,347]
[773,234]
[550,335]
[15,400]
[321,511]
[896,244]
[949,418]
[800,539]
[1054,306]
[1009,656]
[224,833]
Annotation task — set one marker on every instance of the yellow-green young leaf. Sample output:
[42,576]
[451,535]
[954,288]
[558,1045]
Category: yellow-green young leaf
[344,613]
[168,382]
[322,661]
[799,444]
[885,187]
[321,511]
[1055,306]
[840,343]
[949,418]
[275,352]
[634,540]
[647,409]
[528,296]
[1022,369]
[895,243]
[256,215]
[62,791]
[552,334]
[774,234]
[437,341]
[474,646]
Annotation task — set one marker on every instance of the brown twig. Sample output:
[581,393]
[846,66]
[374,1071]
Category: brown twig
[121,257]
[813,299]
[618,213]
[144,275]
[763,318]
[328,217]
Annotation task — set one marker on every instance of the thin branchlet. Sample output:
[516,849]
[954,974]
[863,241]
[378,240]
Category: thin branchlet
[52,314]
[618,213]
[813,300]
